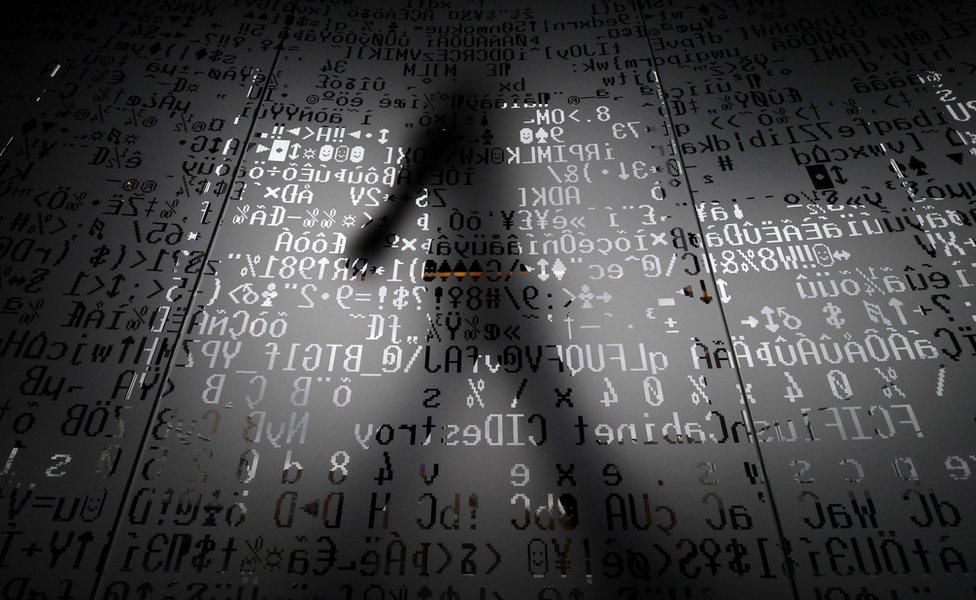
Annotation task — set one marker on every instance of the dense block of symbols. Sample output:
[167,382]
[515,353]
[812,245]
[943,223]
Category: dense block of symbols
[450,300]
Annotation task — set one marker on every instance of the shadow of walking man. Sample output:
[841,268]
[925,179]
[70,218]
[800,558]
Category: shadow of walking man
[490,317]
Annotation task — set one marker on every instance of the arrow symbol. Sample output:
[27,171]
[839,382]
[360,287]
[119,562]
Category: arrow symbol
[558,269]
[101,284]
[543,275]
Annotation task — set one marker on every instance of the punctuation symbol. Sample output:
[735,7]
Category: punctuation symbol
[169,210]
[833,313]
[518,393]
[937,301]
[748,258]
[311,218]
[888,376]
[252,262]
[475,395]
[330,218]
[140,316]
